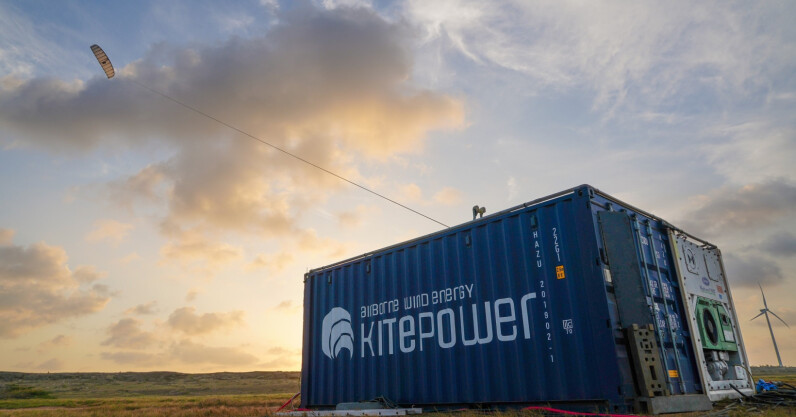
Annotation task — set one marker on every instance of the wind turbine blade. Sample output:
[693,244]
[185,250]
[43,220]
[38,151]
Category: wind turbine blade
[780,319]
[764,296]
[761,313]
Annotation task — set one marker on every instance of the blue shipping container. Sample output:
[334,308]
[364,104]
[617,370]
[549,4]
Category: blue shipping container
[529,305]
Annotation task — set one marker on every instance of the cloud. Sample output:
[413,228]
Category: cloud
[448,196]
[511,187]
[59,341]
[37,288]
[736,208]
[127,334]
[143,309]
[281,358]
[349,218]
[279,350]
[763,146]
[6,236]
[110,231]
[303,241]
[148,185]
[645,53]
[275,263]
[329,85]
[787,314]
[133,256]
[193,353]
[308,240]
[411,192]
[354,218]
[228,188]
[288,306]
[53,364]
[192,246]
[134,358]
[186,352]
[24,48]
[187,321]
[192,294]
[86,274]
[141,348]
[784,313]
[750,270]
[333,4]
[780,244]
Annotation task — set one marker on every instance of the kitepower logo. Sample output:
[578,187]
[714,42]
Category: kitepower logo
[337,333]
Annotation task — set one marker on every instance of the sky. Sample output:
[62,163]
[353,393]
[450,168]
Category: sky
[136,235]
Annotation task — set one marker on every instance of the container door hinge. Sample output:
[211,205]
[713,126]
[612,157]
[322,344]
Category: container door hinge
[603,258]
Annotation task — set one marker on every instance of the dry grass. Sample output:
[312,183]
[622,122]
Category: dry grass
[158,394]
[772,373]
[136,384]
[224,405]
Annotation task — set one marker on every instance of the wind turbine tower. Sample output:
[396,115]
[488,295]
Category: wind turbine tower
[765,311]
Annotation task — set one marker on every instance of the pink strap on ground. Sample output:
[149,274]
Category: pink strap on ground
[573,413]
[288,402]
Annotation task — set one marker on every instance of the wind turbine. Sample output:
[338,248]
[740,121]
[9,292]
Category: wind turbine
[765,311]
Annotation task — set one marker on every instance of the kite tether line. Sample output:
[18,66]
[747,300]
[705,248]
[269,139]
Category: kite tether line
[106,65]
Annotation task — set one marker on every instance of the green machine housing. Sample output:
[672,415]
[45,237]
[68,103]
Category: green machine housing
[715,326]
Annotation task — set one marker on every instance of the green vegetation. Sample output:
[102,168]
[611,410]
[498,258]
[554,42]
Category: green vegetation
[136,384]
[225,394]
[221,405]
[17,391]
[145,393]
[785,374]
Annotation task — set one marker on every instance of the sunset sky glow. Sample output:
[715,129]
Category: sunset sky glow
[136,235]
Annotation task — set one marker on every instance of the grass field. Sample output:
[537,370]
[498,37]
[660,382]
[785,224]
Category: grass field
[774,373]
[175,394]
[145,394]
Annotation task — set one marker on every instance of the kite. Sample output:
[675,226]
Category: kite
[103,60]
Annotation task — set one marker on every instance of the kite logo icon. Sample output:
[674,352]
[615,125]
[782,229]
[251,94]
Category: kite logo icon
[337,333]
[690,261]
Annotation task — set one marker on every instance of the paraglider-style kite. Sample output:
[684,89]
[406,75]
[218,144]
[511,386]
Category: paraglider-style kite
[106,65]
[103,60]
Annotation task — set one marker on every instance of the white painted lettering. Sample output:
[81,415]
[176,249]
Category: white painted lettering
[500,319]
[441,325]
[388,323]
[405,332]
[425,335]
[526,323]
[368,340]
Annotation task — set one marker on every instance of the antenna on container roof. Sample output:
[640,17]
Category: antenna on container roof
[478,210]
[106,65]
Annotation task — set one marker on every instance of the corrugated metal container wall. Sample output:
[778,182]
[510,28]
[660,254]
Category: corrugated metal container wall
[514,308]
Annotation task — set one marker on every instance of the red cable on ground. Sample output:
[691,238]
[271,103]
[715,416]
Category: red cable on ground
[574,413]
[288,402]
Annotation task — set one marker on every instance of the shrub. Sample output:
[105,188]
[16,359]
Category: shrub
[17,391]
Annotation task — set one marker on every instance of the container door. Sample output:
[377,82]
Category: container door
[645,285]
[712,320]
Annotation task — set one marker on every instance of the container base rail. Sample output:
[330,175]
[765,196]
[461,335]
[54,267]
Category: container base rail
[577,300]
